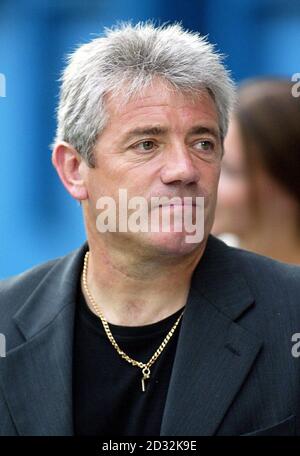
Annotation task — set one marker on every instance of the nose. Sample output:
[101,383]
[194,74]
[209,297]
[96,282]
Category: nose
[179,166]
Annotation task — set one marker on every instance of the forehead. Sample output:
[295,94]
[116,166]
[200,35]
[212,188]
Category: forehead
[160,102]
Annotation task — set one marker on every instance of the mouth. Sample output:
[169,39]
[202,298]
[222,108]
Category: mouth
[178,205]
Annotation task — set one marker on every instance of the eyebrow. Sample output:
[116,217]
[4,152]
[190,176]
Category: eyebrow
[200,130]
[145,131]
[157,130]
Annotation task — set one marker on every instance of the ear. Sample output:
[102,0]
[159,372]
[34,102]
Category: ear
[71,169]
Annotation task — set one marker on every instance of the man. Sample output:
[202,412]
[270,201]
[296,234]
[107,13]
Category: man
[140,332]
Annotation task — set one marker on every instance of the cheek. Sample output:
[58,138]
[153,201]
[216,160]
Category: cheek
[209,173]
[212,182]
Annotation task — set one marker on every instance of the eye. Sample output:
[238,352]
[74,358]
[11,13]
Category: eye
[204,145]
[145,146]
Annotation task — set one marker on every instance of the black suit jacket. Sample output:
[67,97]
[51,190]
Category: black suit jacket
[233,373]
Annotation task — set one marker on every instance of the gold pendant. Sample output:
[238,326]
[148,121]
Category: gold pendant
[146,376]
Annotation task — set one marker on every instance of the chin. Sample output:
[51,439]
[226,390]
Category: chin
[173,244]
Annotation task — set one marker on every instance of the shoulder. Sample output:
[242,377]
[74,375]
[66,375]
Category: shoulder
[264,269]
[265,277]
[38,294]
[253,264]
[271,282]
[15,290]
[26,280]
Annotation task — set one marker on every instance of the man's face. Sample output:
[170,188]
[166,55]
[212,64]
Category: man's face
[162,143]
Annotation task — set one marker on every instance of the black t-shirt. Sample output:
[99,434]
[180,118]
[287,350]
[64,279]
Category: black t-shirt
[107,390]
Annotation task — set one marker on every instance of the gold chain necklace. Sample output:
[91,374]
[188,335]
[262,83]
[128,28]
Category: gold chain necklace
[144,366]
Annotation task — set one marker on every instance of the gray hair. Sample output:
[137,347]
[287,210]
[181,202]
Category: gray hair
[134,55]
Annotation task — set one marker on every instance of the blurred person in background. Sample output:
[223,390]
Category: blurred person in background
[258,205]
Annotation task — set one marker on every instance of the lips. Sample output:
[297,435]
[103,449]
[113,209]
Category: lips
[179,205]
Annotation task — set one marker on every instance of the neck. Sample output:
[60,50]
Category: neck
[134,290]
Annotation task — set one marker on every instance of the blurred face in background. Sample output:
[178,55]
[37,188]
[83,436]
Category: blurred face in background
[233,213]
[259,190]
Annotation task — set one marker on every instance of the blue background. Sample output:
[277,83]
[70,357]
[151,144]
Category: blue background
[39,220]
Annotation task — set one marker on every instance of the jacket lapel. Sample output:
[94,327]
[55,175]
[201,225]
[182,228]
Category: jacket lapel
[214,353]
[36,376]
